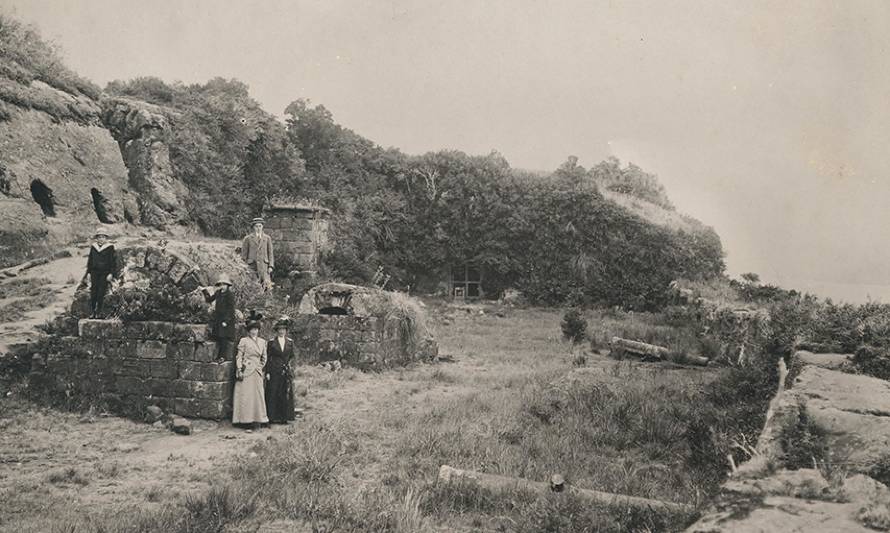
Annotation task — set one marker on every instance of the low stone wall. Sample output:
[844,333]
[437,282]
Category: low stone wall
[130,365]
[357,340]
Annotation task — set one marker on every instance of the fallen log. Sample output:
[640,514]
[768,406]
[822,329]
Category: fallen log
[620,346]
[638,348]
[557,484]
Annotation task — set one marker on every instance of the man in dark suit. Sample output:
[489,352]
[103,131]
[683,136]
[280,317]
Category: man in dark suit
[222,320]
[102,267]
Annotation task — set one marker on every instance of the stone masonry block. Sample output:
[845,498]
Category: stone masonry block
[126,367]
[159,261]
[211,390]
[137,256]
[181,351]
[100,329]
[148,330]
[194,371]
[191,281]
[125,349]
[158,387]
[95,348]
[164,369]
[151,349]
[190,332]
[131,385]
[205,352]
[178,271]
[200,408]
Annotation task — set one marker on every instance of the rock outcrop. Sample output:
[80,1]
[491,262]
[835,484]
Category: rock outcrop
[852,415]
[143,132]
[58,179]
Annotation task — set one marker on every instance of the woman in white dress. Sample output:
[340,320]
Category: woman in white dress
[249,403]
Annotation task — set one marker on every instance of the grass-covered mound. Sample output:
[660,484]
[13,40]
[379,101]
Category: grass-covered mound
[32,76]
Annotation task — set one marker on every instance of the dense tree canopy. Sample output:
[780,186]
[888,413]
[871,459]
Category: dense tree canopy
[556,237]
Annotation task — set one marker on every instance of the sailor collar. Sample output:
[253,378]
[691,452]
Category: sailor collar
[102,247]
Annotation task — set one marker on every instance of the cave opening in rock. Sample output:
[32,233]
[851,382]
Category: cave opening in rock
[43,195]
[100,207]
[333,310]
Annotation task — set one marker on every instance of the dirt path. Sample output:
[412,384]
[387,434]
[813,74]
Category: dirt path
[52,285]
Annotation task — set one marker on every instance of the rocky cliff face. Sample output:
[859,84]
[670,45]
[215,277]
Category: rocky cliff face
[143,132]
[61,172]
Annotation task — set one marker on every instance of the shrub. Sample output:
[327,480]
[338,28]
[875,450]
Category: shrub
[574,326]
[873,361]
[804,444]
[158,302]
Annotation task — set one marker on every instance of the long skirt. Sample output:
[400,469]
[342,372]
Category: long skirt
[249,402]
[280,396]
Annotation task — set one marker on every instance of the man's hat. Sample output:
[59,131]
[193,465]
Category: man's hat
[100,230]
[224,279]
[257,220]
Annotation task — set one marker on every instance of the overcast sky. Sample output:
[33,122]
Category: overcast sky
[768,120]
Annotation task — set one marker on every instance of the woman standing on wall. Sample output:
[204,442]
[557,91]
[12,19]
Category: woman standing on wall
[249,403]
[279,375]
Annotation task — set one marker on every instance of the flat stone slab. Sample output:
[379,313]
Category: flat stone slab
[786,514]
[824,388]
[831,361]
[853,409]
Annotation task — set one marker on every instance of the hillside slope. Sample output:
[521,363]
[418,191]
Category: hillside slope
[61,172]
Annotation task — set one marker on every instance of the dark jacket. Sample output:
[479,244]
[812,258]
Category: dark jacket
[222,320]
[278,360]
[102,262]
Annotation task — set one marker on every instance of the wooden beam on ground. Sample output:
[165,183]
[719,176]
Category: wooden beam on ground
[642,349]
[497,483]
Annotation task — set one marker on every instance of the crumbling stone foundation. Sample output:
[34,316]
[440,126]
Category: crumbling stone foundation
[131,365]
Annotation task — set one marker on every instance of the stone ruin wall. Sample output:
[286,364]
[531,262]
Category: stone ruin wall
[130,365]
[299,234]
[363,342]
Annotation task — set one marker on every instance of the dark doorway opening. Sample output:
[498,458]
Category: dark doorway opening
[43,195]
[100,207]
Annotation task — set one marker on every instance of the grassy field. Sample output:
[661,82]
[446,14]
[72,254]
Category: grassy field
[366,455]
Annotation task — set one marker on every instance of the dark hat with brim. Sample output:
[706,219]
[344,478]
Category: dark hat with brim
[253,325]
[282,324]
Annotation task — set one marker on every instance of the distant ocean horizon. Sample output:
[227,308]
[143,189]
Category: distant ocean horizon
[855,293]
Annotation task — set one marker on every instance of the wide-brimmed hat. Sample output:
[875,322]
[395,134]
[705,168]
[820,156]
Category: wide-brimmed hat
[224,279]
[253,324]
[283,322]
[100,230]
[257,220]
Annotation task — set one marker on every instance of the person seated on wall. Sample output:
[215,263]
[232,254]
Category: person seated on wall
[280,375]
[222,319]
[249,402]
[256,251]
[102,267]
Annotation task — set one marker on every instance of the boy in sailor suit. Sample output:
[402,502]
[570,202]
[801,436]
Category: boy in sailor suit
[101,267]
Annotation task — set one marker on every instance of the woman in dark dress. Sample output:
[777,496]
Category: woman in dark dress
[280,376]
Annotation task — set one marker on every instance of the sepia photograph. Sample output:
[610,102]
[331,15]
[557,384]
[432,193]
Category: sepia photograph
[470,266]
